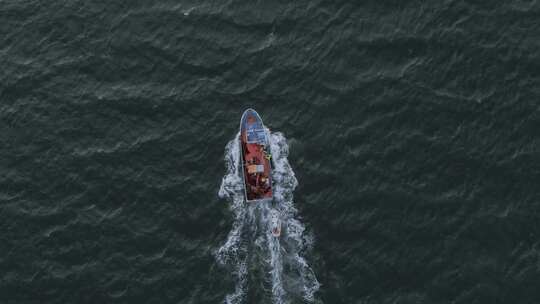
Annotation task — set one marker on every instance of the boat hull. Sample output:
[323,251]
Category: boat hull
[256,158]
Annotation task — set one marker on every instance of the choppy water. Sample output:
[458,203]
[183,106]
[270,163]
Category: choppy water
[412,129]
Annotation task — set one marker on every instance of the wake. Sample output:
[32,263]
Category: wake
[250,244]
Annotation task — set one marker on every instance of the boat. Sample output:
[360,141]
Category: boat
[256,158]
[275,223]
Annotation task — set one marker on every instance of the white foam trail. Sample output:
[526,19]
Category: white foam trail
[255,221]
[275,258]
[294,240]
[231,251]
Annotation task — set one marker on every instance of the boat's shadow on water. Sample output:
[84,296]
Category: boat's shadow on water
[266,269]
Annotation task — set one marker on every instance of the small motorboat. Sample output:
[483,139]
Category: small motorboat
[256,157]
[275,223]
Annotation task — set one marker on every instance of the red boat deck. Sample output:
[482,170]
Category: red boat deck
[256,166]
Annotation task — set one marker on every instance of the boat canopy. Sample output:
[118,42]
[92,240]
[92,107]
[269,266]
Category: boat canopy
[256,136]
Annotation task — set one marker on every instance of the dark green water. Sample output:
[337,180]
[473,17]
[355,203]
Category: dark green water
[413,131]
